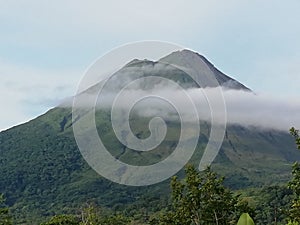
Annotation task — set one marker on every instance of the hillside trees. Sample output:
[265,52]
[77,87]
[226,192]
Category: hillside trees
[272,204]
[90,215]
[5,217]
[201,199]
[295,134]
[294,184]
[63,220]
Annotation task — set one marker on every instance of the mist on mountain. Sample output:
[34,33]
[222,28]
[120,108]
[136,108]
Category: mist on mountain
[166,83]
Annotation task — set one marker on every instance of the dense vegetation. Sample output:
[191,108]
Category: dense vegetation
[294,185]
[5,217]
[43,174]
[199,199]
[202,199]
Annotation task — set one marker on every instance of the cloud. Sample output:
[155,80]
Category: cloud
[262,110]
[154,96]
[27,92]
[243,108]
[247,40]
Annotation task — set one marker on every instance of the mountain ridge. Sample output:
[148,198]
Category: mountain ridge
[43,173]
[173,62]
[220,76]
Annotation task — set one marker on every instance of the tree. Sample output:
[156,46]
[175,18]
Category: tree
[63,220]
[92,215]
[5,217]
[272,204]
[201,199]
[295,134]
[294,184]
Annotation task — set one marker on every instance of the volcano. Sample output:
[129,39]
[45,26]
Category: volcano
[43,172]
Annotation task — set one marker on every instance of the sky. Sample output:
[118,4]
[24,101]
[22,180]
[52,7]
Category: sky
[46,46]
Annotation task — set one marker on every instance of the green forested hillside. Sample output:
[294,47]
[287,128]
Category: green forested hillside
[43,173]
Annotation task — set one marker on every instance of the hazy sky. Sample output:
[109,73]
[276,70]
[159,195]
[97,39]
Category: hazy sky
[46,46]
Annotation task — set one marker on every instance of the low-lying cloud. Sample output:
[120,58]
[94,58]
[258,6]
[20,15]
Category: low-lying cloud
[243,108]
[261,110]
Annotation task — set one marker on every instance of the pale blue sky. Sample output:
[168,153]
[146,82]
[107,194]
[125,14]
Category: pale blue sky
[46,46]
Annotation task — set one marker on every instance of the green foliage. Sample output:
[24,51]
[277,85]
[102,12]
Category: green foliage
[63,220]
[245,219]
[295,133]
[43,173]
[93,215]
[5,217]
[201,199]
[272,204]
[294,184]
[90,215]
[117,219]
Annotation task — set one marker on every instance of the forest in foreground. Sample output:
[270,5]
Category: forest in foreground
[198,198]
